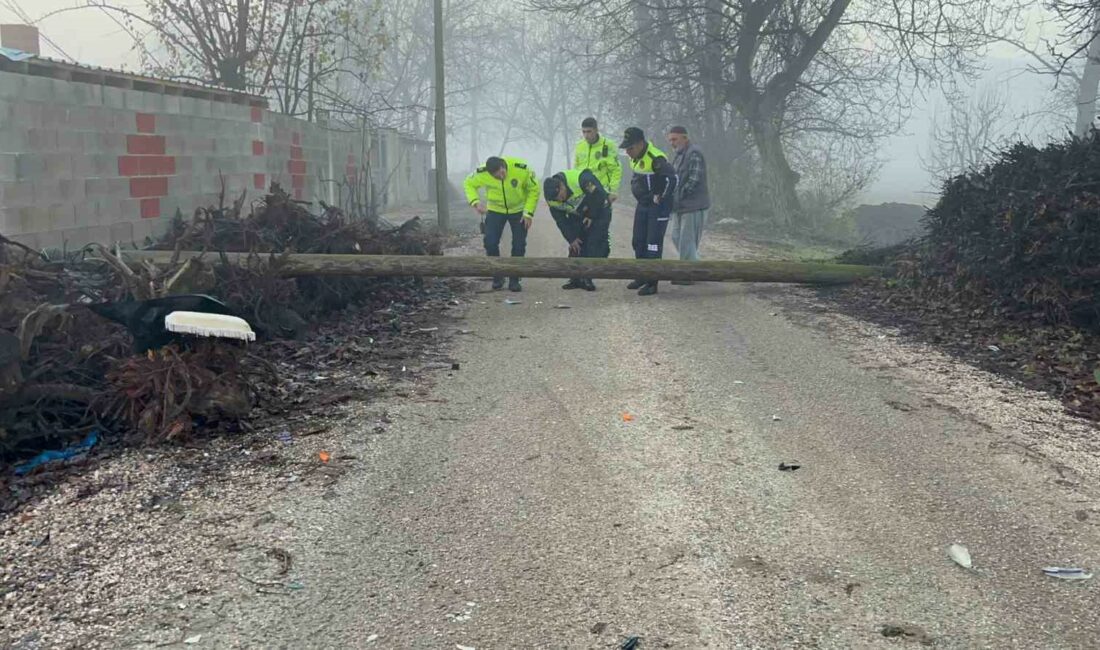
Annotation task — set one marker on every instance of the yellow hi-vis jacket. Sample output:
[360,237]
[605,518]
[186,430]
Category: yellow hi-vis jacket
[518,192]
[603,159]
[582,184]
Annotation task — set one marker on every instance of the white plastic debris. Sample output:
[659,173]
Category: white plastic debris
[776,418]
[192,640]
[562,307]
[994,348]
[1067,573]
[372,638]
[509,301]
[960,555]
[737,382]
[459,646]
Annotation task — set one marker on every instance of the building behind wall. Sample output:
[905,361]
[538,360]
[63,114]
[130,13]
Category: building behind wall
[90,155]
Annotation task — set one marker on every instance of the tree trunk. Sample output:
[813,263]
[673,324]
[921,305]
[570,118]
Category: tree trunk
[779,178]
[475,136]
[1090,81]
[298,265]
[640,84]
[549,162]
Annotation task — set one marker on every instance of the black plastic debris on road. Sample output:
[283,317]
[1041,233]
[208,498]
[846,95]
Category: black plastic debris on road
[788,467]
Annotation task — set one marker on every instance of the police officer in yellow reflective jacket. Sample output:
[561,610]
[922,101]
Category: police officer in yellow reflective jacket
[511,194]
[600,155]
[582,213]
[653,186]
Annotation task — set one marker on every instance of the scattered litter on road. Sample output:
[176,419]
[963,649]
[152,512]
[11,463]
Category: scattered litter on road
[372,638]
[456,366]
[776,418]
[313,432]
[562,307]
[960,555]
[598,628]
[426,330]
[283,557]
[295,586]
[509,301]
[324,456]
[630,643]
[54,455]
[459,646]
[911,632]
[285,437]
[882,337]
[737,382]
[465,331]
[628,417]
[993,348]
[1066,573]
[192,640]
[682,427]
[788,467]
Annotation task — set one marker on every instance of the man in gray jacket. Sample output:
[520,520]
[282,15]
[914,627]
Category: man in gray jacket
[689,212]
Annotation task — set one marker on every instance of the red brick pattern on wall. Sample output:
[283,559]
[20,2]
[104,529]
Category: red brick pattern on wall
[147,165]
[297,166]
[114,164]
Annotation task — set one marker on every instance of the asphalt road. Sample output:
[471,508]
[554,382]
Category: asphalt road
[611,470]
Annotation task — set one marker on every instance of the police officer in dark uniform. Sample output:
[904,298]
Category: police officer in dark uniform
[582,210]
[653,186]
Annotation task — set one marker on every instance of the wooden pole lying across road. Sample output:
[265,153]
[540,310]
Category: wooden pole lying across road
[305,264]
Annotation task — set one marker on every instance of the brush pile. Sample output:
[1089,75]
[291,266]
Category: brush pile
[1009,270]
[65,371]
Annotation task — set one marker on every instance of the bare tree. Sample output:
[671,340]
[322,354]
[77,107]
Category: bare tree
[776,62]
[296,51]
[968,131]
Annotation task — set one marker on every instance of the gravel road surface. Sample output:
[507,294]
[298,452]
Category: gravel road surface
[611,470]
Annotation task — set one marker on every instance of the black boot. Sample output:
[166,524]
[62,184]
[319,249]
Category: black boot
[573,284]
[648,289]
[637,284]
[589,285]
[514,285]
[498,283]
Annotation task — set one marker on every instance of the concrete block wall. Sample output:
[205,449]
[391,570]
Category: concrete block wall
[84,162]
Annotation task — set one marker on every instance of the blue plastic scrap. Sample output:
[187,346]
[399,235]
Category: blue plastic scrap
[15,55]
[49,456]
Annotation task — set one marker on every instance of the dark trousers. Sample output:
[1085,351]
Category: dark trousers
[650,224]
[597,240]
[494,230]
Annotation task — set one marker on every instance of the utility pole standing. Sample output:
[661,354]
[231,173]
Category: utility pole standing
[442,207]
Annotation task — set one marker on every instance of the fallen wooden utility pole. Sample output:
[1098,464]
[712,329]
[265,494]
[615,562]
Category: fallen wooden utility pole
[303,264]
